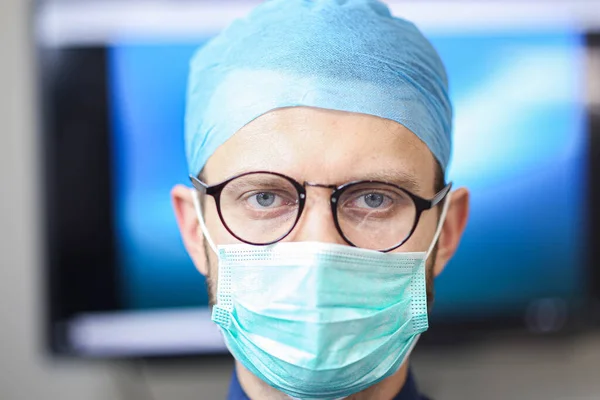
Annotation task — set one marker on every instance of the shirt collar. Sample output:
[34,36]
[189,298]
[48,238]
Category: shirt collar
[409,390]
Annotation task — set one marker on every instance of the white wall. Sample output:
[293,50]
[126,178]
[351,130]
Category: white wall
[25,372]
[504,370]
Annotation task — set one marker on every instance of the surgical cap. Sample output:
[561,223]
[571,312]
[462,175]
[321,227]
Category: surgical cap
[345,55]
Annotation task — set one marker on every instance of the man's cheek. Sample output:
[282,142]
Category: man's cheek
[213,273]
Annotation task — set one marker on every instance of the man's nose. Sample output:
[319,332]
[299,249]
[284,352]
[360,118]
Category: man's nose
[316,223]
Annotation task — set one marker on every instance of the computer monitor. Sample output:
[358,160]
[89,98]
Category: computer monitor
[112,85]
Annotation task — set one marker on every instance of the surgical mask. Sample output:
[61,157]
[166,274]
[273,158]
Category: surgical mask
[318,320]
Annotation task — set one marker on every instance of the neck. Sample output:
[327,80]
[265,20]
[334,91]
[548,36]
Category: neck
[384,390]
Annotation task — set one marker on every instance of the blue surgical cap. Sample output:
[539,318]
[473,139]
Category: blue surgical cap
[345,55]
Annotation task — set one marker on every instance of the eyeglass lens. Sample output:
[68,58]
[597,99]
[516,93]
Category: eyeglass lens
[260,208]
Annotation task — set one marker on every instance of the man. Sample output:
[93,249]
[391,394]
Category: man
[317,135]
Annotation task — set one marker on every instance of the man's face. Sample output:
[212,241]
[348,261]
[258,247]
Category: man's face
[327,147]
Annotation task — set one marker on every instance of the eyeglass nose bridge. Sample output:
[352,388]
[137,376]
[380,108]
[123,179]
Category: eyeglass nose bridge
[322,186]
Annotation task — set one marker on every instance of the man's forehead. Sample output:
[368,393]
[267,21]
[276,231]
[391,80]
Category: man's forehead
[327,146]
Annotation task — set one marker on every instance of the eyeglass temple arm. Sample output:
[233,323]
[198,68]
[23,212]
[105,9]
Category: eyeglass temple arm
[198,184]
[441,195]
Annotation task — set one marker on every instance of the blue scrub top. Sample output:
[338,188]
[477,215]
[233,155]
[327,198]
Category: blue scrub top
[409,390]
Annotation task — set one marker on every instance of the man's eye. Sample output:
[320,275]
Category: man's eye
[372,201]
[265,199]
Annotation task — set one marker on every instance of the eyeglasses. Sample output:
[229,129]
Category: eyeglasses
[262,208]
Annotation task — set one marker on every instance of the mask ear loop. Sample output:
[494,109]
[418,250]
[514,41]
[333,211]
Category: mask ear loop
[440,225]
[196,200]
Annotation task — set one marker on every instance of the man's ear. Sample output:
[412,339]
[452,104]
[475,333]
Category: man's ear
[453,228]
[189,227]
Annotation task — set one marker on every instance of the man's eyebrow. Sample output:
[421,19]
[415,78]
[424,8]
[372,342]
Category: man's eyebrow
[401,178]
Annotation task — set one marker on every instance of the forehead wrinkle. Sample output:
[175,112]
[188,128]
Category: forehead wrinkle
[289,142]
[401,178]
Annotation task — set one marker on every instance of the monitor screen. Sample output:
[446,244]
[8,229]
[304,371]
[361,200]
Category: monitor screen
[520,146]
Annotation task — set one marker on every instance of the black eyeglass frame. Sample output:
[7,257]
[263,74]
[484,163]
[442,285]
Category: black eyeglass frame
[421,204]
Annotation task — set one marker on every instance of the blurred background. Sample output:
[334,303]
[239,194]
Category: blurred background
[98,298]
